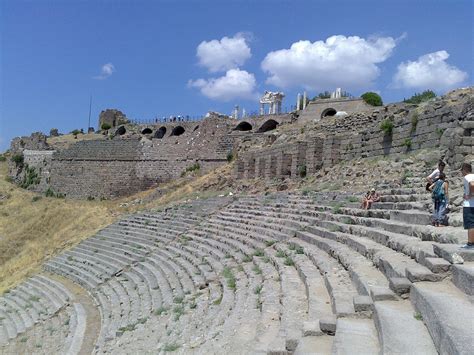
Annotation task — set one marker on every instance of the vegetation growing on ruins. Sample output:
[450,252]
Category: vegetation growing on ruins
[17,159]
[372,98]
[419,98]
[414,123]
[195,167]
[387,127]
[302,171]
[407,143]
[105,126]
[30,178]
[76,132]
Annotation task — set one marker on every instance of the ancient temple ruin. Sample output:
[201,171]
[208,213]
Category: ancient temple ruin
[274,100]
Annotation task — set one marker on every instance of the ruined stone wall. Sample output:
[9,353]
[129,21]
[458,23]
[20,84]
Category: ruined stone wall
[316,108]
[447,123]
[118,167]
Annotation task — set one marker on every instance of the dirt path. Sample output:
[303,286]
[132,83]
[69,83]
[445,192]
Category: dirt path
[93,321]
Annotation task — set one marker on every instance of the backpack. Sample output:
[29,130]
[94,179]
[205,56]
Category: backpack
[438,191]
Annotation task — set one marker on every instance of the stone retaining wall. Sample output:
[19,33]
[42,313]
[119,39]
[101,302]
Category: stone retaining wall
[447,123]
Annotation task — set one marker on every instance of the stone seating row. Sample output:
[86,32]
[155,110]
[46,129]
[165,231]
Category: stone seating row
[36,300]
[448,285]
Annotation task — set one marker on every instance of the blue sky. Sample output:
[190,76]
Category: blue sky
[161,58]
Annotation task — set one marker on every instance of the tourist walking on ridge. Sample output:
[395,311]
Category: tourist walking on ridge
[431,179]
[468,206]
[440,197]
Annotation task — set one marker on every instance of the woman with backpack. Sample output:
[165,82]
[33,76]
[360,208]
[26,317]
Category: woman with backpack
[439,191]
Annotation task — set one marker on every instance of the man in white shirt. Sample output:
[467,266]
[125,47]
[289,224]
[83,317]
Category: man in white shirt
[433,177]
[468,205]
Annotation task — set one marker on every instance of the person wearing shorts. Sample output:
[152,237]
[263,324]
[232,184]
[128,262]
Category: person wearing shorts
[468,205]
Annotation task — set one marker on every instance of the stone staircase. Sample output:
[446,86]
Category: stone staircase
[283,273]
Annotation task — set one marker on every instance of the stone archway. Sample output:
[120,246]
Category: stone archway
[160,133]
[177,131]
[243,126]
[268,126]
[120,131]
[147,130]
[328,112]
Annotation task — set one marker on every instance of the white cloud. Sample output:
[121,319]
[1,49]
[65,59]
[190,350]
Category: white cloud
[340,61]
[221,55]
[106,71]
[235,84]
[430,71]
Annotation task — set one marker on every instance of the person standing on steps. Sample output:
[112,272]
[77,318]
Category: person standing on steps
[431,179]
[468,205]
[440,198]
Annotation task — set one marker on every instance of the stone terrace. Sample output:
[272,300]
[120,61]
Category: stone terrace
[278,274]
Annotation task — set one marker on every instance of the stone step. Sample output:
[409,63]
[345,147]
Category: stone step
[3,335]
[11,315]
[319,301]
[454,253]
[8,323]
[337,279]
[398,330]
[391,263]
[86,280]
[463,277]
[447,313]
[368,279]
[98,272]
[54,297]
[16,305]
[314,345]
[355,336]
[411,217]
[96,260]
[294,301]
[78,331]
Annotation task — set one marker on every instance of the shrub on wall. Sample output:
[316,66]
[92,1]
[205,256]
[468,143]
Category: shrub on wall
[387,127]
[302,171]
[230,157]
[372,99]
[17,159]
[414,123]
[105,126]
[30,178]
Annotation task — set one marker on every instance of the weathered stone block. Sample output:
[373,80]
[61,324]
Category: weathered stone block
[399,285]
[363,303]
[312,328]
[328,325]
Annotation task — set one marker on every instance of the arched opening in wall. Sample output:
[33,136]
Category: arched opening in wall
[328,112]
[243,126]
[177,131]
[196,128]
[268,126]
[160,133]
[120,131]
[147,131]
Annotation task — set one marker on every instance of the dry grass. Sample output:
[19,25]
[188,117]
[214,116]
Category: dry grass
[33,231]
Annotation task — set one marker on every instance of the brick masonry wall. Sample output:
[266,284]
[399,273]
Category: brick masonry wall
[118,167]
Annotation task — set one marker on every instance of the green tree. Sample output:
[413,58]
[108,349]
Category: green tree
[372,99]
[105,126]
